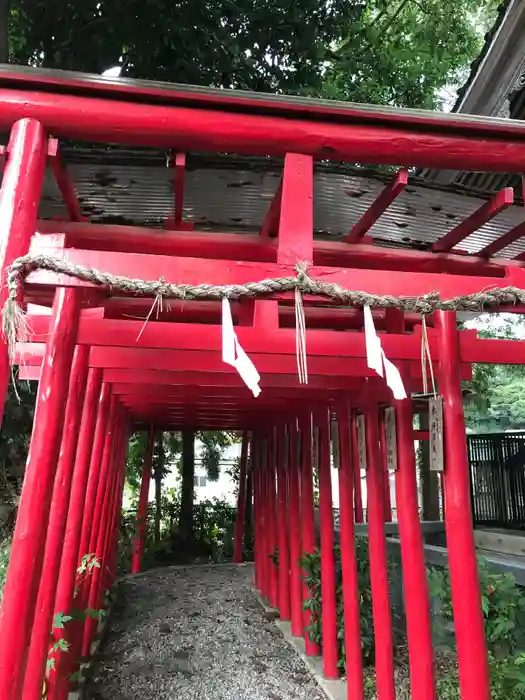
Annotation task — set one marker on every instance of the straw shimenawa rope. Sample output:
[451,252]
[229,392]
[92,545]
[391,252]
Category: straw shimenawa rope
[13,317]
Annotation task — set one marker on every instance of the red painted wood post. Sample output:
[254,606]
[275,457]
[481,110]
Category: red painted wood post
[378,560]
[309,540]
[105,485]
[294,510]
[68,567]
[114,552]
[36,661]
[19,200]
[254,450]
[142,509]
[385,475]
[358,498]
[326,524]
[464,580]
[25,567]
[241,502]
[352,626]
[282,523]
[108,485]
[272,520]
[106,574]
[264,539]
[417,603]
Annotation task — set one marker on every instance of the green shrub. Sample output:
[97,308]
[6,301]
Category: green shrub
[503,604]
[311,564]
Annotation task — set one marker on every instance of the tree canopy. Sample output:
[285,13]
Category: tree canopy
[384,51]
[498,403]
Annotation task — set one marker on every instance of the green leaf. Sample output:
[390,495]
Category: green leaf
[50,664]
[62,645]
[60,620]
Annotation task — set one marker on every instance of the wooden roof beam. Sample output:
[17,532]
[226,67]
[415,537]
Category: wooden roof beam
[503,199]
[378,207]
[64,182]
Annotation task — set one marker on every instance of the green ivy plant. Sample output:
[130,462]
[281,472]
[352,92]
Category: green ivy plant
[88,563]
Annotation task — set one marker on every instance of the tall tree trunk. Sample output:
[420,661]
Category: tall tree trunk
[187,490]
[4,30]
[159,469]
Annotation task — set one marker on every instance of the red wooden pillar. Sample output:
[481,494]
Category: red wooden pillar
[25,567]
[113,561]
[378,560]
[142,509]
[466,596]
[358,498]
[57,524]
[282,521]
[385,475]
[294,510]
[241,502]
[326,522]
[352,625]
[68,567]
[264,535]
[271,524]
[309,544]
[255,467]
[419,630]
[19,200]
[108,477]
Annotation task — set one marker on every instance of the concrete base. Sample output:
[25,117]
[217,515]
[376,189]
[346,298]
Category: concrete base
[501,541]
[333,689]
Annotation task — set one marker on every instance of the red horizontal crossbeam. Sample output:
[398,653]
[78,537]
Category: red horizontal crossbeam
[433,144]
[224,272]
[378,207]
[248,247]
[503,199]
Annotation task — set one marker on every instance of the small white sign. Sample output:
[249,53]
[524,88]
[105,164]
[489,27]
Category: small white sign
[435,426]
[391,439]
[361,442]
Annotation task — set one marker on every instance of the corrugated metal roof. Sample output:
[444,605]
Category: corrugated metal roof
[233,194]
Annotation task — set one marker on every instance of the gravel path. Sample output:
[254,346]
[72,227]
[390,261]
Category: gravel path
[196,633]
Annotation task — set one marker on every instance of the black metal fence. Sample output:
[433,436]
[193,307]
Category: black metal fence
[497,479]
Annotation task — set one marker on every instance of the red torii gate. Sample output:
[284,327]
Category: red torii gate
[100,372]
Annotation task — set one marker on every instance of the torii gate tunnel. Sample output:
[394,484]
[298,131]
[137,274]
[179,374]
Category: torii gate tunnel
[106,362]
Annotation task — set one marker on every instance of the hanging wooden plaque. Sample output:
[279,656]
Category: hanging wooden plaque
[315,447]
[361,442]
[391,439]
[335,443]
[435,427]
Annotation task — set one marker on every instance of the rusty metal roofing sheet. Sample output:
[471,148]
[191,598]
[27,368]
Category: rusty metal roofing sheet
[234,195]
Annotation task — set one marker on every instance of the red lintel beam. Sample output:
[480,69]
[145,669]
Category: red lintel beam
[225,272]
[64,182]
[378,207]
[194,337]
[432,144]
[248,247]
[503,199]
